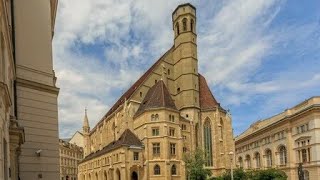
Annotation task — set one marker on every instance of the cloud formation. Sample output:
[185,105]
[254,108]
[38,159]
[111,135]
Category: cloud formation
[101,47]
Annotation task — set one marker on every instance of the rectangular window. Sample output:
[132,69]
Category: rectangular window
[155,131]
[156,148]
[302,129]
[135,156]
[298,130]
[171,132]
[172,148]
[184,127]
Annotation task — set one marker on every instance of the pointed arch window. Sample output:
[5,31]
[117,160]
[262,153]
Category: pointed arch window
[156,170]
[177,28]
[221,128]
[207,134]
[192,25]
[174,170]
[184,24]
[283,155]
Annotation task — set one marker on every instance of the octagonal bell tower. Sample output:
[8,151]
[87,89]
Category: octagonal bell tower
[186,61]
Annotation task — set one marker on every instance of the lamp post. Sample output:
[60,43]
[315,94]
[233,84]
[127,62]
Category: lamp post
[231,163]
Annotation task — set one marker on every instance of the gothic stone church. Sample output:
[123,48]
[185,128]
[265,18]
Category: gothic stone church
[168,112]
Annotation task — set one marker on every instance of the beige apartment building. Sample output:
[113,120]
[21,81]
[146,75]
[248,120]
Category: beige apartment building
[28,95]
[283,141]
[168,112]
[70,156]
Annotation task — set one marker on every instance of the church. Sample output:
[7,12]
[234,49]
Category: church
[167,113]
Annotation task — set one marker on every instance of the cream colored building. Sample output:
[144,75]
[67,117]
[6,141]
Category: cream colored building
[168,112]
[28,95]
[70,156]
[283,141]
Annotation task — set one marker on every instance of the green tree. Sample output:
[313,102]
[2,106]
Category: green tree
[195,165]
[268,174]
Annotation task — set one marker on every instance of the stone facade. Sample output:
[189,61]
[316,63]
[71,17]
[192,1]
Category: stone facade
[70,156]
[168,112]
[28,95]
[283,141]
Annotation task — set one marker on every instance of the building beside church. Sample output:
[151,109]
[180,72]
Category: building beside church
[168,112]
[28,95]
[70,155]
[284,141]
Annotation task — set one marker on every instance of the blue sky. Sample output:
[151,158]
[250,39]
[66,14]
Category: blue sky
[259,57]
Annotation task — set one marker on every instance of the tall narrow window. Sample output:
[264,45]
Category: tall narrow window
[268,158]
[304,155]
[257,158]
[221,128]
[248,161]
[157,117]
[177,28]
[240,162]
[184,24]
[192,25]
[283,155]
[197,134]
[207,143]
[172,148]
[156,149]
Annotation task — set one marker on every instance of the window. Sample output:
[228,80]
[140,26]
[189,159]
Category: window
[191,25]
[155,81]
[268,158]
[183,127]
[177,28]
[153,117]
[283,155]
[240,162]
[173,170]
[207,143]
[171,118]
[184,24]
[304,155]
[248,162]
[178,90]
[135,156]
[184,149]
[172,148]
[140,94]
[221,128]
[171,132]
[156,117]
[156,170]
[168,71]
[257,158]
[156,148]
[155,131]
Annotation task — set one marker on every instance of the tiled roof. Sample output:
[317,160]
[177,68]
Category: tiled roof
[207,100]
[133,88]
[128,138]
[158,96]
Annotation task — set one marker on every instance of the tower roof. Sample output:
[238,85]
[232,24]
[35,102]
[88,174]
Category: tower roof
[158,96]
[207,100]
[85,119]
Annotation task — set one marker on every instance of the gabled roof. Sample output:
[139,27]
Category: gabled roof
[158,96]
[133,88]
[128,138]
[207,100]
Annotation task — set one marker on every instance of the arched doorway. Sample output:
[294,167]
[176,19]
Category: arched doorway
[118,175]
[134,176]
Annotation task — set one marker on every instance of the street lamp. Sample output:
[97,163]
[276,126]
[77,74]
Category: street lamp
[231,164]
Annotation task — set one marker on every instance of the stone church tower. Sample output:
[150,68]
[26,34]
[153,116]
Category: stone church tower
[85,132]
[167,113]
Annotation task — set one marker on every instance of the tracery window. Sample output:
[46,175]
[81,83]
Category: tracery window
[207,134]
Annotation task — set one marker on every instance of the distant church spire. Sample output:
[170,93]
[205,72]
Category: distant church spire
[85,127]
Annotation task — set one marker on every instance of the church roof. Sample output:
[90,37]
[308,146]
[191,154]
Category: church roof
[127,138]
[207,100]
[133,88]
[158,96]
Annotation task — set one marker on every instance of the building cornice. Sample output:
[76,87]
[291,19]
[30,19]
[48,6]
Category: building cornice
[37,86]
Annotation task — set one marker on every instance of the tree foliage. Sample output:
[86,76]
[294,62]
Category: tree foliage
[195,165]
[240,174]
